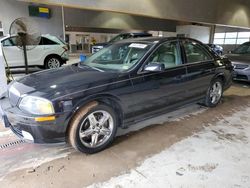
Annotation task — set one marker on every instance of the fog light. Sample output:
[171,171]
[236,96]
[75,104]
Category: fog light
[27,136]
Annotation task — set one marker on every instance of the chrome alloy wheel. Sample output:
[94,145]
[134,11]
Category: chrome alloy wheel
[53,63]
[216,92]
[96,129]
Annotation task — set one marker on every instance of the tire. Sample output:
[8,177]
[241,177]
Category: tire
[53,62]
[214,93]
[89,135]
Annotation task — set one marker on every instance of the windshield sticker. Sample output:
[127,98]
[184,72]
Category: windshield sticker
[125,67]
[137,45]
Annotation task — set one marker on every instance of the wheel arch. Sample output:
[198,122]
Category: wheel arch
[106,99]
[220,76]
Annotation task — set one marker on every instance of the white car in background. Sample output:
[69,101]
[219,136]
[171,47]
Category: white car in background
[50,53]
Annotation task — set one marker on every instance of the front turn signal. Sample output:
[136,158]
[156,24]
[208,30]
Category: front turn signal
[42,119]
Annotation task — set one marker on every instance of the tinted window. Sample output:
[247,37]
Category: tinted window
[167,54]
[10,42]
[195,52]
[46,41]
[118,57]
[243,49]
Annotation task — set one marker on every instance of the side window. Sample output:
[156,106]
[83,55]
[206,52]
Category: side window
[46,41]
[167,54]
[9,42]
[243,49]
[195,52]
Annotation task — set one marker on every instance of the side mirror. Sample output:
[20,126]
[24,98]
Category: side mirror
[154,67]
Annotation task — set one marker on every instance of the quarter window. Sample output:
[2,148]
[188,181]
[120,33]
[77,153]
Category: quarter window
[167,54]
[46,41]
[195,52]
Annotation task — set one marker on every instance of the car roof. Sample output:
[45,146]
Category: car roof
[44,35]
[137,34]
[157,39]
[246,43]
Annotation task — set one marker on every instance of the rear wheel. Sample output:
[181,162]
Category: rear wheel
[214,93]
[53,62]
[93,128]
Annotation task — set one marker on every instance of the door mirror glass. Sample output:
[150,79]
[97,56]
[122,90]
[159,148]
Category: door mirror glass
[154,67]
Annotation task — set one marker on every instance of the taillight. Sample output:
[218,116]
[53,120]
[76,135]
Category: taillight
[65,48]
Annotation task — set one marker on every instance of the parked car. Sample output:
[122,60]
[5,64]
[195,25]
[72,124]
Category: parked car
[216,48]
[124,83]
[95,48]
[50,53]
[240,58]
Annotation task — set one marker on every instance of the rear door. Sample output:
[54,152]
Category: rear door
[37,55]
[200,68]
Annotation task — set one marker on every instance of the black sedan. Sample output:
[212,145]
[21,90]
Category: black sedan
[124,83]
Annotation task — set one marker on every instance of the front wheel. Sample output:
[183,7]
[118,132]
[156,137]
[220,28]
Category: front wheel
[214,93]
[93,129]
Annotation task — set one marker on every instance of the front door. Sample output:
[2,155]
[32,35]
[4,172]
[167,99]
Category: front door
[154,91]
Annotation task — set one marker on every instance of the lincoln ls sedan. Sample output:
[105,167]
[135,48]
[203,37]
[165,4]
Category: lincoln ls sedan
[129,81]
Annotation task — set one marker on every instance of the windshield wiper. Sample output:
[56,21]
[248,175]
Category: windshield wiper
[82,65]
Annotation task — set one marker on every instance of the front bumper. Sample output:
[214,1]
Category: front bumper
[25,126]
[65,57]
[243,75]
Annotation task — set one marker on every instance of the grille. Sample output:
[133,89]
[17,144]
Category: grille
[11,144]
[240,66]
[17,131]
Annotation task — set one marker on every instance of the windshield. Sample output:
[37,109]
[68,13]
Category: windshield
[118,57]
[242,49]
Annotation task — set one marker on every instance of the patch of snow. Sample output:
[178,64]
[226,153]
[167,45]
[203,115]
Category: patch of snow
[6,133]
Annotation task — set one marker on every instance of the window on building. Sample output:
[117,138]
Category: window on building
[231,38]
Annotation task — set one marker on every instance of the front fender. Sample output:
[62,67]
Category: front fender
[98,98]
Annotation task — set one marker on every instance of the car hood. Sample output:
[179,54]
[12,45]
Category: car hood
[64,81]
[239,58]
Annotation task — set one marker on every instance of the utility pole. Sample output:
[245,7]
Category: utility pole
[63,23]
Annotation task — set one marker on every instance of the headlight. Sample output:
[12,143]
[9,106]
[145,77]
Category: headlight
[36,105]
